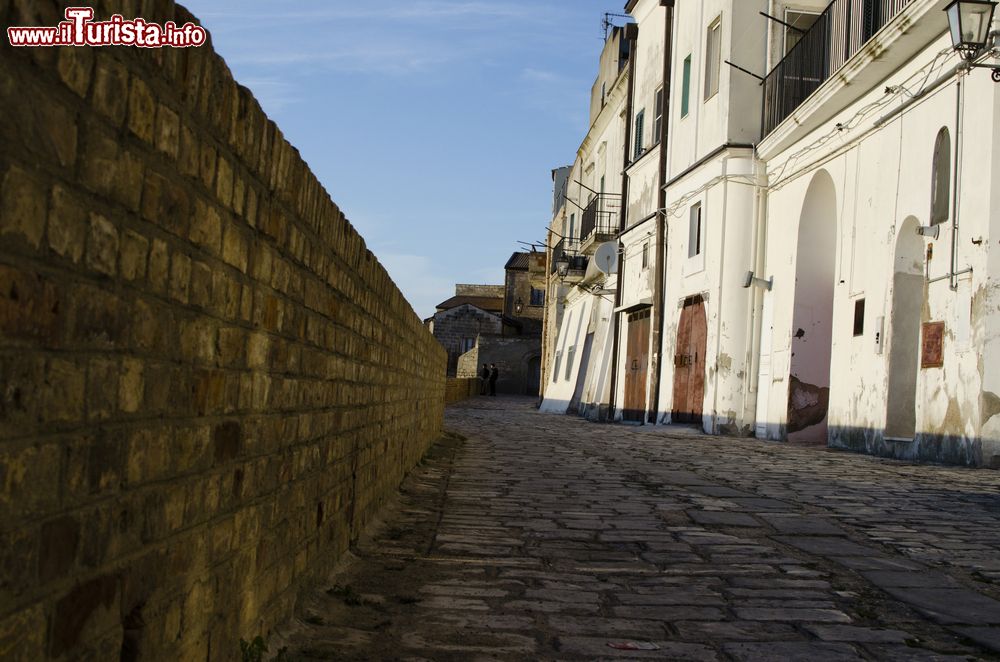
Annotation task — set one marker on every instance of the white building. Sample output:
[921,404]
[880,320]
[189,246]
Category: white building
[578,339]
[829,234]
[712,214]
[877,338]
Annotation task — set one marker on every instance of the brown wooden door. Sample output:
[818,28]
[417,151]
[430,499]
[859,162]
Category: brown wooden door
[636,365]
[689,362]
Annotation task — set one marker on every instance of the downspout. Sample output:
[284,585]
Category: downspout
[659,291]
[953,281]
[755,302]
[631,35]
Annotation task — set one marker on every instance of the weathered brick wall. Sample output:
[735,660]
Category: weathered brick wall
[207,383]
[460,389]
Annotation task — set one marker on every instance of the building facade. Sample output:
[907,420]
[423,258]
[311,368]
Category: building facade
[814,256]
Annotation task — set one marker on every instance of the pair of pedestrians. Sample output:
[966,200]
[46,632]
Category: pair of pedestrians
[490,375]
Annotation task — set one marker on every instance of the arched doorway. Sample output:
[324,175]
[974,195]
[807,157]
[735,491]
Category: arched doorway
[904,332]
[812,317]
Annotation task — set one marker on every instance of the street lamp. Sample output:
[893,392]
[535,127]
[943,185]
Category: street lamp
[970,22]
[518,306]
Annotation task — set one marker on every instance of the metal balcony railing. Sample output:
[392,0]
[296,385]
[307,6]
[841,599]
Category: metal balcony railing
[843,28]
[570,248]
[600,217]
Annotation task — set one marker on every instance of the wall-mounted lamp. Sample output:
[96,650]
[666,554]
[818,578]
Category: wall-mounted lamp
[932,231]
[562,265]
[750,279]
[518,306]
[969,22]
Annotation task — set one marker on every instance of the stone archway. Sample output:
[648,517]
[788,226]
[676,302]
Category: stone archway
[904,332]
[812,318]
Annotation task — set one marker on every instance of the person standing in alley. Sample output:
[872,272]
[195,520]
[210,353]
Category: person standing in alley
[494,374]
[485,380]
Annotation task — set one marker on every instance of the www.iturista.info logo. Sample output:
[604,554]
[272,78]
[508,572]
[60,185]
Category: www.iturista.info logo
[79,29]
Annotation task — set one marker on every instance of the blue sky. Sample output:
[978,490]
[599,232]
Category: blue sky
[434,124]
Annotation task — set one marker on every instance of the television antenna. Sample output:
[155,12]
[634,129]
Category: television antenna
[607,23]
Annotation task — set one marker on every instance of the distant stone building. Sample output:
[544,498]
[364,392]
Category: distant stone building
[499,324]
[460,320]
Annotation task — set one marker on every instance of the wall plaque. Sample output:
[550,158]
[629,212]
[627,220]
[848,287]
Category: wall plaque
[932,345]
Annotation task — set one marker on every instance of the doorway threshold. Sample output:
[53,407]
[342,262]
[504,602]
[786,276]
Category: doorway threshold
[904,440]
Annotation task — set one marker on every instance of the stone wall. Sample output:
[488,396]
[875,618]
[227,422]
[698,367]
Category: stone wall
[208,384]
[496,291]
[513,357]
[452,327]
[460,389]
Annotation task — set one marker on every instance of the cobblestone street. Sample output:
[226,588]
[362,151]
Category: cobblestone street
[547,537]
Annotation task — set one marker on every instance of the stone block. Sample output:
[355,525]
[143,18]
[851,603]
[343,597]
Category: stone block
[67,224]
[102,246]
[224,182]
[23,206]
[75,66]
[129,178]
[102,388]
[134,251]
[206,226]
[189,152]
[235,247]
[57,543]
[159,266]
[29,306]
[130,386]
[110,88]
[167,131]
[180,276]
[99,162]
[141,110]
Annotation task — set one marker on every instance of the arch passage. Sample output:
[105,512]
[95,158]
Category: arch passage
[904,333]
[812,319]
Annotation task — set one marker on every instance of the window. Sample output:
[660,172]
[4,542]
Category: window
[555,368]
[572,228]
[467,344]
[686,87]
[602,184]
[694,231]
[537,297]
[569,361]
[604,95]
[859,317]
[941,177]
[640,121]
[658,116]
[645,256]
[713,54]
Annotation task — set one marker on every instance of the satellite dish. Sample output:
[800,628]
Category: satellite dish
[606,257]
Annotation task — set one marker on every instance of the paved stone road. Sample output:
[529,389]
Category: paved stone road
[547,537]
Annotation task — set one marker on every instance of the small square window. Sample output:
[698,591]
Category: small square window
[859,317]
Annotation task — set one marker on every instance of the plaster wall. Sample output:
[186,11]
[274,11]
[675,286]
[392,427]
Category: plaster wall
[881,177]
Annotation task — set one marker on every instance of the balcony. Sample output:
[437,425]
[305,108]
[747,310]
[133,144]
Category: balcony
[577,262]
[842,30]
[600,221]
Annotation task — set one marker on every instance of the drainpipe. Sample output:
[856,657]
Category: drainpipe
[631,34]
[755,302]
[953,280]
[659,291]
